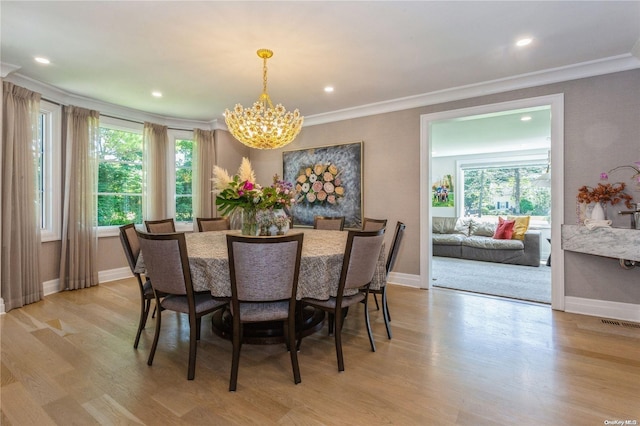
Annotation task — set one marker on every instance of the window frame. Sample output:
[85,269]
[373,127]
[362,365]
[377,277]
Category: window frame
[524,160]
[175,135]
[51,206]
[125,126]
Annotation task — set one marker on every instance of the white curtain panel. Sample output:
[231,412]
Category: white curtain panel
[204,158]
[78,258]
[155,141]
[20,264]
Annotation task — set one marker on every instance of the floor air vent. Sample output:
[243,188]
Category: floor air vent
[622,324]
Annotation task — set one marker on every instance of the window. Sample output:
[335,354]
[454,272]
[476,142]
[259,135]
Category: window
[508,188]
[119,176]
[184,180]
[48,173]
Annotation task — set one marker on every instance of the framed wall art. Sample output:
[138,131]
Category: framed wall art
[442,194]
[328,182]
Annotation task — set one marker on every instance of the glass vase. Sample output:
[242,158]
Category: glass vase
[249,222]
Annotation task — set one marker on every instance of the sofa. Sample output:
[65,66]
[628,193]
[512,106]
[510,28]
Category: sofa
[472,238]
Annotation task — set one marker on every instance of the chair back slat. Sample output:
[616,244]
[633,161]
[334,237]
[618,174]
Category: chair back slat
[264,269]
[165,259]
[369,224]
[395,246]
[328,223]
[213,224]
[162,226]
[363,258]
[131,245]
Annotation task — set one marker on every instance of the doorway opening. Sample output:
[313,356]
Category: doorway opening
[530,163]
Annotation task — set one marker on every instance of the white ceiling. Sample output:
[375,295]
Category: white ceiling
[493,133]
[201,55]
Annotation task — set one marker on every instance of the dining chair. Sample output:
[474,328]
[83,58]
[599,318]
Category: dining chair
[329,223]
[131,245]
[166,260]
[369,224]
[264,281]
[213,224]
[391,261]
[358,268]
[162,226]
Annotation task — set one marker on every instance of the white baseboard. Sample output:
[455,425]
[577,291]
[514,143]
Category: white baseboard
[114,274]
[407,280]
[602,308]
[53,286]
[575,305]
[2,306]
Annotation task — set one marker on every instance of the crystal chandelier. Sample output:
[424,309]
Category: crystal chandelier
[262,126]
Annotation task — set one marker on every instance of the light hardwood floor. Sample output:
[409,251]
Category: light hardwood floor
[455,359]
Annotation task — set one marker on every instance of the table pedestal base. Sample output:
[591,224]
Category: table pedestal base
[267,333]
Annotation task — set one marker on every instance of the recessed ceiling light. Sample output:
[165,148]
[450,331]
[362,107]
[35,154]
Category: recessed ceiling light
[156,94]
[328,89]
[41,60]
[525,118]
[524,42]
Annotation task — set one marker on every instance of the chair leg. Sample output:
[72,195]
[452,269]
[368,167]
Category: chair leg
[235,360]
[155,338]
[375,298]
[368,323]
[338,339]
[290,324]
[155,308]
[198,327]
[300,325]
[144,314]
[194,333]
[388,313]
[385,312]
[331,320]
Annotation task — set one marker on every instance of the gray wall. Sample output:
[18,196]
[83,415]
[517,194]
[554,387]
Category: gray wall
[602,130]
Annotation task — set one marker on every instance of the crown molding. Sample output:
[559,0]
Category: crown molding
[555,75]
[609,65]
[56,95]
[6,69]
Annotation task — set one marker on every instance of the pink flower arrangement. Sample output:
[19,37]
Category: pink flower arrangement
[319,184]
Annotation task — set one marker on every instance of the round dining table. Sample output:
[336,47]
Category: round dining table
[320,268]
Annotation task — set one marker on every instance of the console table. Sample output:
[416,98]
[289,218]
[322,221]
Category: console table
[618,243]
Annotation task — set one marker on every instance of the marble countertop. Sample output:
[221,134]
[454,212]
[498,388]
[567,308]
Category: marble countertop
[618,243]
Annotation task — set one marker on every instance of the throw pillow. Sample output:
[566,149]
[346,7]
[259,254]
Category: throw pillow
[482,228]
[520,227]
[504,231]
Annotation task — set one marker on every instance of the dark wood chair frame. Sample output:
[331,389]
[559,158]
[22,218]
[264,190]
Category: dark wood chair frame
[337,312]
[290,324]
[317,219]
[146,291]
[377,224]
[391,261]
[149,224]
[195,318]
[203,220]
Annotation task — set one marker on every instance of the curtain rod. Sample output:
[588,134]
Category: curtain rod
[116,118]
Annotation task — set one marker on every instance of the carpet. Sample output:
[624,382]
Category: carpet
[513,281]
